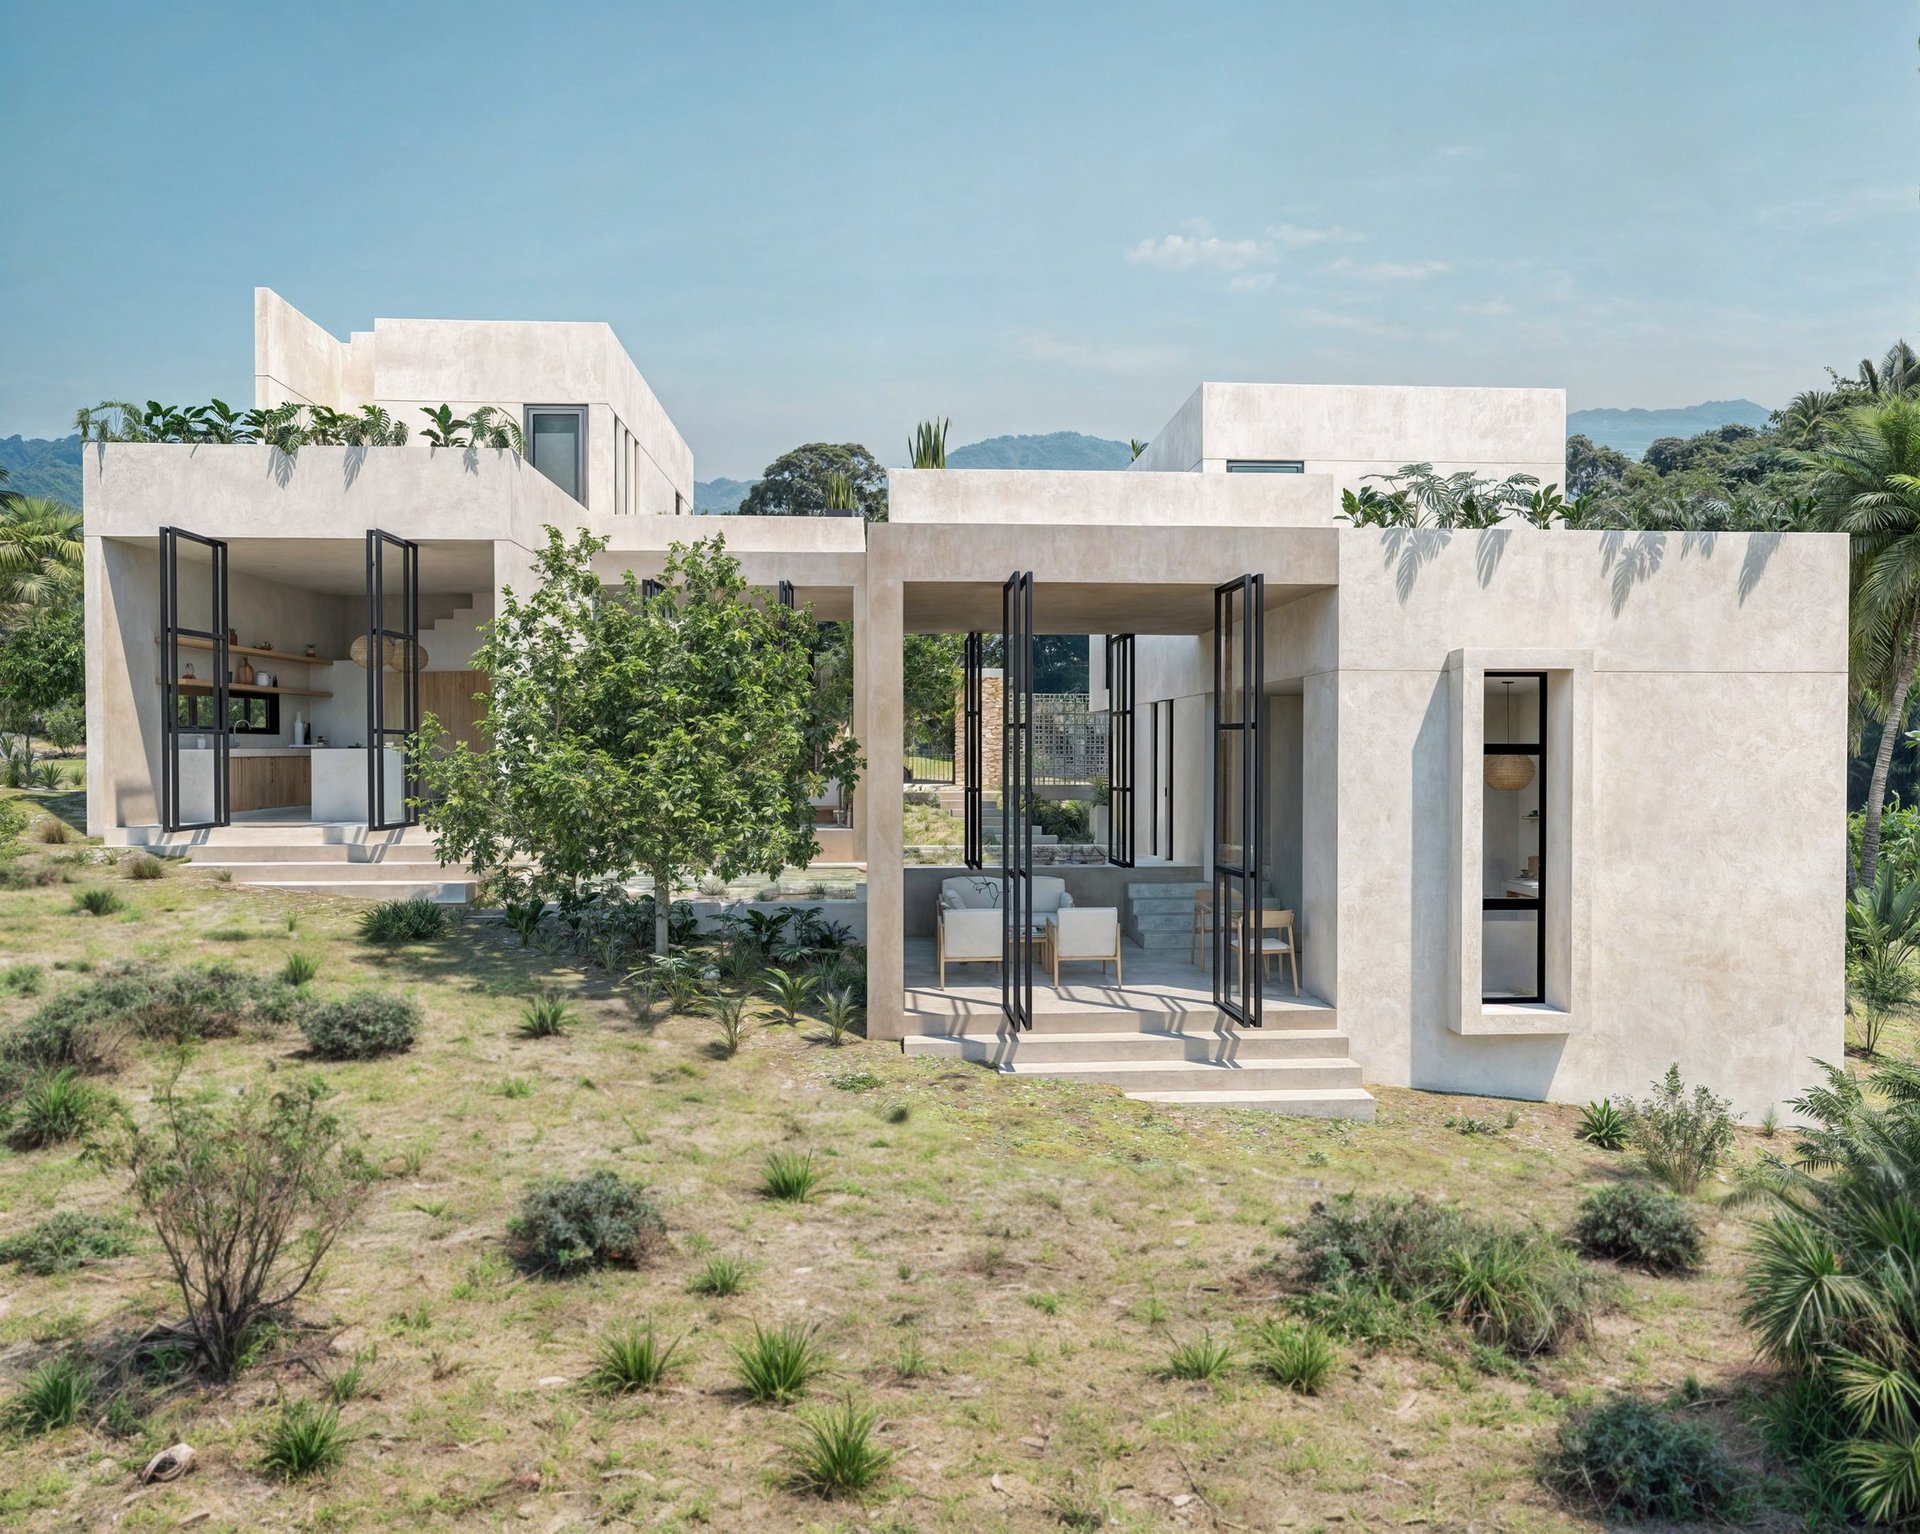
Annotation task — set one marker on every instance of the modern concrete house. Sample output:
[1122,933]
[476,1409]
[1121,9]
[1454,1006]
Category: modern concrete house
[1516,811]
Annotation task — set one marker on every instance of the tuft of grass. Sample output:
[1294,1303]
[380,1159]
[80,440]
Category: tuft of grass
[54,832]
[1206,1359]
[299,969]
[98,901]
[856,1081]
[419,920]
[22,980]
[66,1240]
[835,1455]
[547,1016]
[777,1366]
[144,867]
[1298,1355]
[789,1176]
[56,1107]
[730,1016]
[304,1438]
[910,1363]
[633,1359]
[721,1277]
[362,1377]
[54,1396]
[516,1087]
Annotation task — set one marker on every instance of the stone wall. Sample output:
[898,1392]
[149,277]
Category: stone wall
[992,700]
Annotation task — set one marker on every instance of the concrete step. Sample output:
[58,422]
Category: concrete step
[1141,1045]
[247,853]
[317,874]
[1316,1102]
[1199,1075]
[444,891]
[277,834]
[1156,919]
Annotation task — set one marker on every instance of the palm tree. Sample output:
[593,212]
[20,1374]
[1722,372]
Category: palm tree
[1807,418]
[1896,373]
[1866,483]
[40,549]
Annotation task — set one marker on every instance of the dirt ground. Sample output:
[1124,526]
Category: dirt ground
[1041,1247]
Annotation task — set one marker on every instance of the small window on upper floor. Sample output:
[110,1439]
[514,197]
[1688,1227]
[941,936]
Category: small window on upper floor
[557,446]
[1266,466]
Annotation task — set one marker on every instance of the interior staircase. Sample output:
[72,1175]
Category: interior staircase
[1297,1063]
[1159,917]
[324,859]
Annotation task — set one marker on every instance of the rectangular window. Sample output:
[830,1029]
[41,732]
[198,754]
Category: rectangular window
[1266,466]
[246,714]
[1513,852]
[557,446]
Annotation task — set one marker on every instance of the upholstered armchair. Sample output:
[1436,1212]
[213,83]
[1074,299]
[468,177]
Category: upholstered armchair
[1087,934]
[969,921]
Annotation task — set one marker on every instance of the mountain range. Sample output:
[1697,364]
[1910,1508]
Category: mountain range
[48,466]
[1633,431]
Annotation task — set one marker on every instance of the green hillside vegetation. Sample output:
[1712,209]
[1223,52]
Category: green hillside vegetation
[1054,450]
[42,466]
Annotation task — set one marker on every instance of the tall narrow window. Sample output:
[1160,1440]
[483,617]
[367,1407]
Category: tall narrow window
[557,444]
[1512,861]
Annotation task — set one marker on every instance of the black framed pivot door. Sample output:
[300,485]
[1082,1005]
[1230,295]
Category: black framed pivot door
[1016,790]
[1239,770]
[393,654]
[972,741]
[180,682]
[1120,750]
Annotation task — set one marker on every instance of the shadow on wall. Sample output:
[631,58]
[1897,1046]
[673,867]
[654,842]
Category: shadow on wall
[1438,1058]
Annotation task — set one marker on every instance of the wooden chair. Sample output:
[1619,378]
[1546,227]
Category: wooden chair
[1277,941]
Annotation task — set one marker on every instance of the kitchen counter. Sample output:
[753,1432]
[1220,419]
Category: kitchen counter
[340,782]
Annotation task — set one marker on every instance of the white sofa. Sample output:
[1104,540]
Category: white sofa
[969,923]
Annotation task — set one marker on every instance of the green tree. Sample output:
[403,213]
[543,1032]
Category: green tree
[40,549]
[796,484]
[673,735]
[1866,483]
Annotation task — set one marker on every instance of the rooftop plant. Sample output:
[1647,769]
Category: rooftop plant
[927,446]
[292,426]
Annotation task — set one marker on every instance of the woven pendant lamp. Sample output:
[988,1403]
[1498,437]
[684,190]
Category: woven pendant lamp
[1507,773]
[391,653]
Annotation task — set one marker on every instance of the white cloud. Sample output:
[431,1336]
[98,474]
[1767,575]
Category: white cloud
[1359,324]
[1299,236]
[1493,308]
[1387,271]
[1250,282]
[1187,252]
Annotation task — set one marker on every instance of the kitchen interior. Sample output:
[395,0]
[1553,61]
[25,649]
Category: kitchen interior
[298,675]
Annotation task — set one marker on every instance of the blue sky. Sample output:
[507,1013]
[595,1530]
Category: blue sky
[827,221]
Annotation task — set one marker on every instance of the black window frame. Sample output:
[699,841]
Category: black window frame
[1266,466]
[581,451]
[1537,904]
[197,711]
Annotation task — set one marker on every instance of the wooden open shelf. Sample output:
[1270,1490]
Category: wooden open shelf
[246,689]
[187,643]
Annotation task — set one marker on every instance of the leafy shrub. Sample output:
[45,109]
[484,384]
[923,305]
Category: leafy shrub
[1070,820]
[1205,1359]
[1298,1356]
[98,901]
[1634,1460]
[54,1395]
[1828,1289]
[21,979]
[546,1017]
[1603,1125]
[634,1359]
[66,1240]
[835,1456]
[13,821]
[361,1026]
[86,1026]
[1684,1137]
[789,1176]
[54,1108]
[145,866]
[247,1198]
[720,1278]
[419,920]
[778,1365]
[791,990]
[1513,1288]
[568,1225]
[304,1438]
[1642,1226]
[841,1015]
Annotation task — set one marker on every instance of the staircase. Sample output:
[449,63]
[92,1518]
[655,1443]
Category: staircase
[345,860]
[1298,1063]
[1159,917]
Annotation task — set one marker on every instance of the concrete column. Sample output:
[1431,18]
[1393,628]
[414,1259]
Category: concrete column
[878,641]
[862,792]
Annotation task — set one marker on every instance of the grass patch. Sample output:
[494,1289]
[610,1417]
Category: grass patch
[299,969]
[789,1177]
[54,1396]
[1300,1356]
[56,1107]
[98,901]
[419,920]
[720,1277]
[67,1240]
[633,1359]
[546,1017]
[835,1455]
[304,1438]
[1206,1359]
[776,1366]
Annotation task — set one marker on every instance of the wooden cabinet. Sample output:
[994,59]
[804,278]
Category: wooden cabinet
[269,782]
[457,699]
